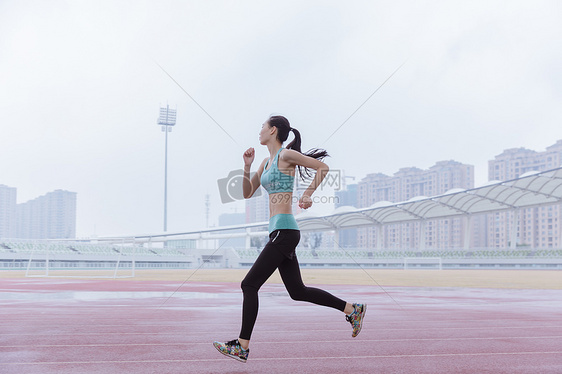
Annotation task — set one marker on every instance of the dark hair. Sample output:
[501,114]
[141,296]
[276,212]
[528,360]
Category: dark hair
[283,129]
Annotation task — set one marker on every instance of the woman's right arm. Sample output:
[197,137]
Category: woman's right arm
[250,185]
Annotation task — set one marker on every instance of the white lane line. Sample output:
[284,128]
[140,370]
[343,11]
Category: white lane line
[283,358]
[282,331]
[10,322]
[276,342]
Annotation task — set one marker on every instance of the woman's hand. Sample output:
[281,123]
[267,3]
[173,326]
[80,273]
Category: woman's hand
[305,202]
[249,156]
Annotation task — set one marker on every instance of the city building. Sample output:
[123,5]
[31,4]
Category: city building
[232,219]
[52,216]
[7,211]
[257,207]
[257,210]
[347,197]
[404,185]
[536,227]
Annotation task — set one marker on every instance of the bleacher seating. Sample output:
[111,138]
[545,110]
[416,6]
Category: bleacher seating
[43,247]
[331,254]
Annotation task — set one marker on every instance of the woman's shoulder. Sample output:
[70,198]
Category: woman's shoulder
[288,154]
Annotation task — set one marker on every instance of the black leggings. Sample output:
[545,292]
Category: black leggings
[279,252]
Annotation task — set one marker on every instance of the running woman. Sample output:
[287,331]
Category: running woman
[276,174]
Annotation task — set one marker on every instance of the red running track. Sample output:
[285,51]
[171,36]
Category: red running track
[106,326]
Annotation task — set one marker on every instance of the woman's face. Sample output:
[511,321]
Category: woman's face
[266,133]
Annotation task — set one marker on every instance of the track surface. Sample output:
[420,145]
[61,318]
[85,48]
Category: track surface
[108,326]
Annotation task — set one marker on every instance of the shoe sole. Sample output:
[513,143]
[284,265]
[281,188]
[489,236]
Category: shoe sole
[361,323]
[231,356]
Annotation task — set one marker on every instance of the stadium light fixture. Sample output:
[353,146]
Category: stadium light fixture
[166,120]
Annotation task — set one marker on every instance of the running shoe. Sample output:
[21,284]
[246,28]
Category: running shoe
[233,349]
[356,318]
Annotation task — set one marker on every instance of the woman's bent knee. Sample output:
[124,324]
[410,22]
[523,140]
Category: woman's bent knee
[247,287]
[298,295]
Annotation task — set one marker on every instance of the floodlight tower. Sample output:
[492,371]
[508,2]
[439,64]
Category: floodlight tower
[166,120]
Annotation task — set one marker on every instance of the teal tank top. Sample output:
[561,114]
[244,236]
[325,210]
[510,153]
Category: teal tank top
[274,181]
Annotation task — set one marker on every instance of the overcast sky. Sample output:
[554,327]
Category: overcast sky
[80,90]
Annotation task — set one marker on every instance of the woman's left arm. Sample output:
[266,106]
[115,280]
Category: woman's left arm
[296,158]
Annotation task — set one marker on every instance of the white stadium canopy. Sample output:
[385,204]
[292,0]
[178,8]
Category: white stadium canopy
[530,190]
[533,189]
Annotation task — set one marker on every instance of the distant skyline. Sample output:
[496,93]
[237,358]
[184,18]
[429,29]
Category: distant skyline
[237,210]
[81,89]
[49,216]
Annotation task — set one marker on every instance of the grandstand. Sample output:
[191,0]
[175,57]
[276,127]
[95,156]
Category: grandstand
[78,255]
[391,259]
[39,255]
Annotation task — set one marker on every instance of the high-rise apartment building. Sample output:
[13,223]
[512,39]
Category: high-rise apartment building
[347,197]
[52,216]
[404,185]
[257,207]
[7,211]
[257,210]
[232,219]
[536,227]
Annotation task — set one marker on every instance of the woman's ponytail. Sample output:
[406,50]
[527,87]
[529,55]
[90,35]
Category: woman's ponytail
[296,143]
[283,129]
